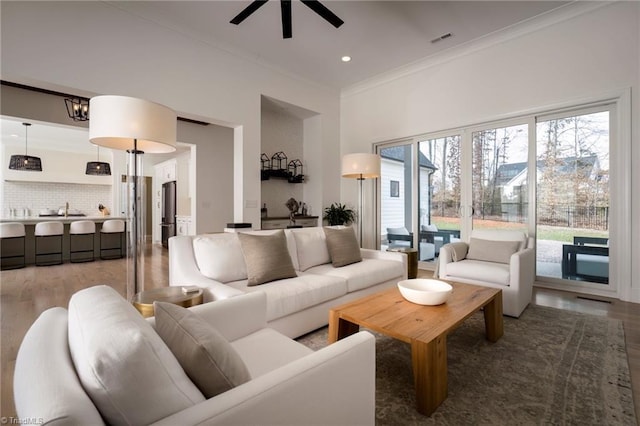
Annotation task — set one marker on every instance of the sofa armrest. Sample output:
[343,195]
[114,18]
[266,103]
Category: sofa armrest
[236,317]
[522,268]
[333,386]
[183,271]
[447,256]
[384,255]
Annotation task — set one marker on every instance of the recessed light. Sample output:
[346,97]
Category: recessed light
[346,58]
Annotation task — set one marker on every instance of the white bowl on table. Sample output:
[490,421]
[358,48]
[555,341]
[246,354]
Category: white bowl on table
[425,291]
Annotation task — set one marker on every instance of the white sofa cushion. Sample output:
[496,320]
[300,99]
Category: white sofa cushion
[362,274]
[219,257]
[492,251]
[311,247]
[276,350]
[479,270]
[292,295]
[123,365]
[267,257]
[205,355]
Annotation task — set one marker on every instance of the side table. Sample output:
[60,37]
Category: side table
[143,301]
[412,260]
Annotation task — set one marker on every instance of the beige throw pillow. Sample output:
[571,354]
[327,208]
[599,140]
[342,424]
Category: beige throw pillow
[204,354]
[267,257]
[492,251]
[343,246]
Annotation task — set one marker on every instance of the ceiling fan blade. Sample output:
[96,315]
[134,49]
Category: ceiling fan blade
[285,5]
[321,10]
[257,4]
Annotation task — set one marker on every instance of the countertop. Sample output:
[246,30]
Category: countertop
[32,220]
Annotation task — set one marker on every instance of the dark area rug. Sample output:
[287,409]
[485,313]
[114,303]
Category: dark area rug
[551,367]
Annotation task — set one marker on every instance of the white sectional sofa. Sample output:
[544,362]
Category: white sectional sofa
[100,362]
[295,306]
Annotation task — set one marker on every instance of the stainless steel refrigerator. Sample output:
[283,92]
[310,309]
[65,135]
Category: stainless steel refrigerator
[168,223]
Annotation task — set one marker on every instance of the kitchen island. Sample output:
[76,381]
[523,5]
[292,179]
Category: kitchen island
[30,224]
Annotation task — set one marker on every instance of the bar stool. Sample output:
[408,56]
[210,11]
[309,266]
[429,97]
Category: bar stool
[111,239]
[12,243]
[49,243]
[81,235]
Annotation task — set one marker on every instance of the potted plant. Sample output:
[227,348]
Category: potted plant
[339,214]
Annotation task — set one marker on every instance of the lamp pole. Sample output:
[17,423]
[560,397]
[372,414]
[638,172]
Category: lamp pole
[136,211]
[136,126]
[361,204]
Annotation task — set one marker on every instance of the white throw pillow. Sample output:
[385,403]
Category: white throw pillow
[124,366]
[311,247]
[219,257]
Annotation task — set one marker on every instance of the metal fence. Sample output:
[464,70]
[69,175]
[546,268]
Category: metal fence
[570,216]
[587,217]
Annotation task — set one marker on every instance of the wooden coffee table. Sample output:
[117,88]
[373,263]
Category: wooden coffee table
[424,327]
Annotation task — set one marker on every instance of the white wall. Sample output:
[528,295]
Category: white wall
[584,56]
[281,132]
[36,196]
[118,53]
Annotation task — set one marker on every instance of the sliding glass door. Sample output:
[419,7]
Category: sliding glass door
[499,178]
[573,197]
[396,196]
[546,175]
[439,194]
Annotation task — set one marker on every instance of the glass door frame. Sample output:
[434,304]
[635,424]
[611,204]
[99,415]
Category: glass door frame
[620,179]
[414,188]
[616,233]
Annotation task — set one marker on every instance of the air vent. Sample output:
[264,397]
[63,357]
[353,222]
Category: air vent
[442,37]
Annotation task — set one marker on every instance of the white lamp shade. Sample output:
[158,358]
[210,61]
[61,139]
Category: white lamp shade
[361,166]
[116,121]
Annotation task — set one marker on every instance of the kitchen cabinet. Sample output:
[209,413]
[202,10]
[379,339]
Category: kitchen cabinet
[284,222]
[184,226]
[166,171]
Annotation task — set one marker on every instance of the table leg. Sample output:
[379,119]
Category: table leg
[430,373]
[340,328]
[493,322]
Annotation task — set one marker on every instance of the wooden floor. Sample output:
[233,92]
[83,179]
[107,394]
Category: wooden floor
[25,293]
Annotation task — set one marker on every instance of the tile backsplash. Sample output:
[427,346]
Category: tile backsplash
[36,196]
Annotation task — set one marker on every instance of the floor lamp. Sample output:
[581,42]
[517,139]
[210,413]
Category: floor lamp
[136,126]
[361,167]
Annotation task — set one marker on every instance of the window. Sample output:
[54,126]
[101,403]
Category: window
[394,189]
[552,176]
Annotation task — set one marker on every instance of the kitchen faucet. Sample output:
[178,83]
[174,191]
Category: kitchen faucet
[66,209]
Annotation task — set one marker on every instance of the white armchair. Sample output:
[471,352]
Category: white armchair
[290,384]
[493,258]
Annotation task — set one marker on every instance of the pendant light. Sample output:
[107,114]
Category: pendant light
[98,168]
[77,108]
[25,162]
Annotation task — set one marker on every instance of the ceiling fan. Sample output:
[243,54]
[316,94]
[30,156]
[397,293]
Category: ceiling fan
[285,6]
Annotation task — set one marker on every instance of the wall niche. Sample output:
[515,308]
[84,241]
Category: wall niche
[282,131]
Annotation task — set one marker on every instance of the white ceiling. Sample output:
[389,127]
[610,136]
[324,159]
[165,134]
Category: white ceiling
[379,35]
[46,136]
